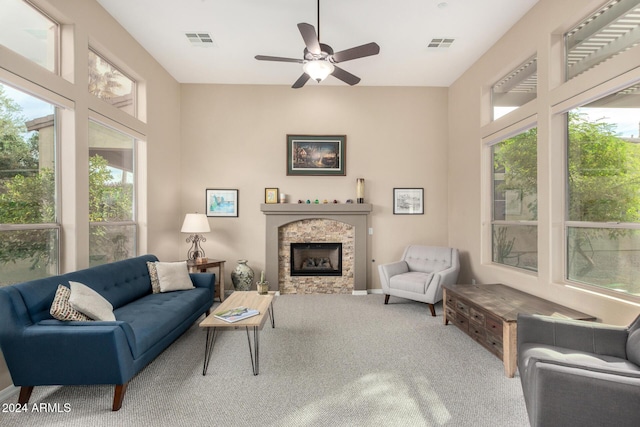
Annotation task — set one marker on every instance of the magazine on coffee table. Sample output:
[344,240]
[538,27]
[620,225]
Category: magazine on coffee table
[236,314]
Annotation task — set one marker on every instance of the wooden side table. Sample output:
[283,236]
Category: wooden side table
[212,263]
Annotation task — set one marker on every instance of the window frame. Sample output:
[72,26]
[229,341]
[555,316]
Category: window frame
[18,84]
[110,124]
[514,78]
[134,83]
[594,93]
[489,144]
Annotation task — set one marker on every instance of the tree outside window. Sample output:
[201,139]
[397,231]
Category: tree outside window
[515,201]
[28,230]
[603,180]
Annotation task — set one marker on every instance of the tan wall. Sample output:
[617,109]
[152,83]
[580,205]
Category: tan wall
[87,23]
[539,31]
[235,137]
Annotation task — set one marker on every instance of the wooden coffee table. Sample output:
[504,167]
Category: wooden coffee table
[489,314]
[249,299]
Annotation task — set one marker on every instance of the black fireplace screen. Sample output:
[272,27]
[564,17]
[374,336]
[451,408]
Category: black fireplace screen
[316,259]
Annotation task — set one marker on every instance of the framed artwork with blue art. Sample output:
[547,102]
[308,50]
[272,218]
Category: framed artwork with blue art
[221,202]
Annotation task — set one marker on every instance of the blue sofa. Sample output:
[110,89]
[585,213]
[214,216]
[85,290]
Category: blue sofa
[40,350]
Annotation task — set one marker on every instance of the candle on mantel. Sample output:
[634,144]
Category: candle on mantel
[262,276]
[360,190]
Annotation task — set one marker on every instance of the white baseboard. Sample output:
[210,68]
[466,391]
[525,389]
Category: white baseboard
[7,392]
[361,293]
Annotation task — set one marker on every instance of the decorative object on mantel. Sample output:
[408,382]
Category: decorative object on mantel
[222,202]
[283,198]
[195,224]
[271,195]
[262,286]
[408,201]
[349,201]
[316,155]
[360,190]
[242,276]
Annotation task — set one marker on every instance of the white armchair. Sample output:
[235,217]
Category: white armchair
[420,274]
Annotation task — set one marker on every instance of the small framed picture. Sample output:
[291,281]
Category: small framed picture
[408,201]
[271,195]
[222,202]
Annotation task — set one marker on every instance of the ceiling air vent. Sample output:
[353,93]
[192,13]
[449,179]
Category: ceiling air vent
[440,43]
[200,39]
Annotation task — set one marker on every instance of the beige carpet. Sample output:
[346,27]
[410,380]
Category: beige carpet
[332,360]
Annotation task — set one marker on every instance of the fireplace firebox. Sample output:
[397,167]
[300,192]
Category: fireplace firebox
[316,259]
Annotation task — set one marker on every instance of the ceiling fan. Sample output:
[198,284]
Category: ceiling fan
[319,59]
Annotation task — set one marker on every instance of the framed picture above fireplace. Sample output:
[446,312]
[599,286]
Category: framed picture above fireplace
[222,202]
[316,155]
[408,201]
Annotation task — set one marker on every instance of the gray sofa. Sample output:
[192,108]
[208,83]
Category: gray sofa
[577,373]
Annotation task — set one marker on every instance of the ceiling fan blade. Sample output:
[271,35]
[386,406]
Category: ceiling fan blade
[301,81]
[345,76]
[278,58]
[357,52]
[310,38]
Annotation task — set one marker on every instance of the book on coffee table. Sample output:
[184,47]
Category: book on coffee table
[236,314]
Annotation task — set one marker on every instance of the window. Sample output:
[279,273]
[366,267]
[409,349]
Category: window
[111,195]
[110,84]
[603,181]
[28,32]
[515,89]
[29,234]
[611,30]
[515,202]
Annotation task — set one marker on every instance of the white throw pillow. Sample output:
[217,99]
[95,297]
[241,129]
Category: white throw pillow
[173,276]
[89,302]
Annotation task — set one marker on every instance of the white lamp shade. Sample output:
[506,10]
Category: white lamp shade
[318,69]
[195,223]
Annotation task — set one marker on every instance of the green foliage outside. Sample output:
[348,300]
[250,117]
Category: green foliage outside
[518,157]
[27,194]
[604,173]
[603,187]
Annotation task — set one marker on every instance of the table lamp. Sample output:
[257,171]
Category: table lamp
[195,224]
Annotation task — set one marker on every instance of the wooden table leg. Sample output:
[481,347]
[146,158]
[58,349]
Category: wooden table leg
[444,307]
[509,348]
[221,273]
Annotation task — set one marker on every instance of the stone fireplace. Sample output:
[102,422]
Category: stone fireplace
[306,225]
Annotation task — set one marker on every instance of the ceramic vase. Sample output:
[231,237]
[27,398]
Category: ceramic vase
[242,276]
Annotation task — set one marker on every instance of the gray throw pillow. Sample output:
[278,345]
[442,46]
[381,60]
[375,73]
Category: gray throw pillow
[173,276]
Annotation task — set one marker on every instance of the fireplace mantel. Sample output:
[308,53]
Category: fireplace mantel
[312,209]
[355,214]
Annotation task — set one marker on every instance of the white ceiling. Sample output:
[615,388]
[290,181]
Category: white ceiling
[242,29]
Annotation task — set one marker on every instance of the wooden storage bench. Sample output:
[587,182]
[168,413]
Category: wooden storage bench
[489,314]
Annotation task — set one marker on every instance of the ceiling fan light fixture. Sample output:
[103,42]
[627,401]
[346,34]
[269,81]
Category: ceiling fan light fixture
[318,69]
